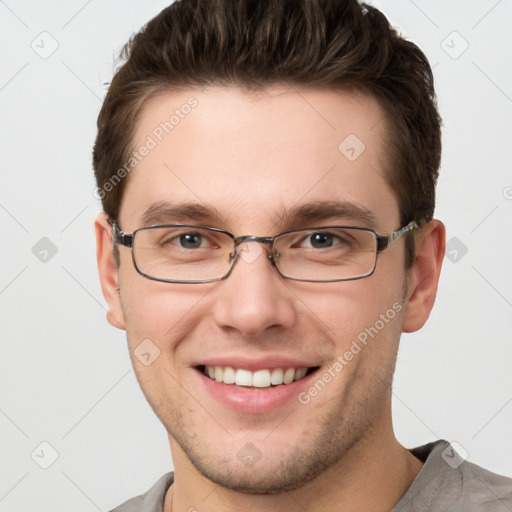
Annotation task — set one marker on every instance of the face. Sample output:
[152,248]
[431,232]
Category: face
[255,162]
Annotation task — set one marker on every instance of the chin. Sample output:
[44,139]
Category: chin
[270,479]
[274,472]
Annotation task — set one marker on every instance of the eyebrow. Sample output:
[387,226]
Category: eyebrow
[162,212]
[318,211]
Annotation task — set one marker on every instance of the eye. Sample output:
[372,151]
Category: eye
[320,240]
[190,241]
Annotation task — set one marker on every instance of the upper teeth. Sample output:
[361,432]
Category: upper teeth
[258,379]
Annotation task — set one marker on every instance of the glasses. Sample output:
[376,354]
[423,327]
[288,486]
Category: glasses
[181,253]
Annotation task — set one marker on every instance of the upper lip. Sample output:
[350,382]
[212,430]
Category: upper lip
[253,364]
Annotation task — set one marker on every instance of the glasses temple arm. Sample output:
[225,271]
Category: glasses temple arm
[118,237]
[385,241]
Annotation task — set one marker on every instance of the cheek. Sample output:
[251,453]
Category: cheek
[346,309]
[363,322]
[163,313]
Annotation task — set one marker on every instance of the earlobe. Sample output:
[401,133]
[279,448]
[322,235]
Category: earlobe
[424,275]
[108,271]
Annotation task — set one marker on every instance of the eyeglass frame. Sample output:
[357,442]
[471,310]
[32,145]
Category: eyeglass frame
[383,242]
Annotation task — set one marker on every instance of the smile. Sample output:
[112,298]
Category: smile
[264,378]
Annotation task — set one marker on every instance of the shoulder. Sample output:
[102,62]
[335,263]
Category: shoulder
[480,487]
[150,501]
[448,481]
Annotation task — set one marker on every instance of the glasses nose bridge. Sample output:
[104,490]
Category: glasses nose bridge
[266,240]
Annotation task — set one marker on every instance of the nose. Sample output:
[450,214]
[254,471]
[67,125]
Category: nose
[253,298]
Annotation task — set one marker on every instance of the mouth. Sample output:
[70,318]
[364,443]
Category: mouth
[265,378]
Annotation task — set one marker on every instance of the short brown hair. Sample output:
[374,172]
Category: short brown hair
[326,44]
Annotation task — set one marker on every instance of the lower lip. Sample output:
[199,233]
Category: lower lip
[254,400]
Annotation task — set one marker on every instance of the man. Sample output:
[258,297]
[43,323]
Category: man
[268,172]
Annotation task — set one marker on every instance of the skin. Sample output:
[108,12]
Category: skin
[253,155]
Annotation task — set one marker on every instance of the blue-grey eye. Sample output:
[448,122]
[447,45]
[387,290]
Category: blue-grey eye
[321,240]
[191,240]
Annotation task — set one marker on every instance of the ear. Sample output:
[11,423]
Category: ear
[423,277]
[108,271]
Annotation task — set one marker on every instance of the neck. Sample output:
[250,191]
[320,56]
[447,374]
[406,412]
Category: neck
[372,477]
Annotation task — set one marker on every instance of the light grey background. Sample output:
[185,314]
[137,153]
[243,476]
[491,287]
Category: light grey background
[66,378]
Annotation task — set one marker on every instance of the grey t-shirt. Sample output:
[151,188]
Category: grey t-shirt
[446,483]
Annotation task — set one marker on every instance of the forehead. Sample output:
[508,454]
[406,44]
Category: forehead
[253,156]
